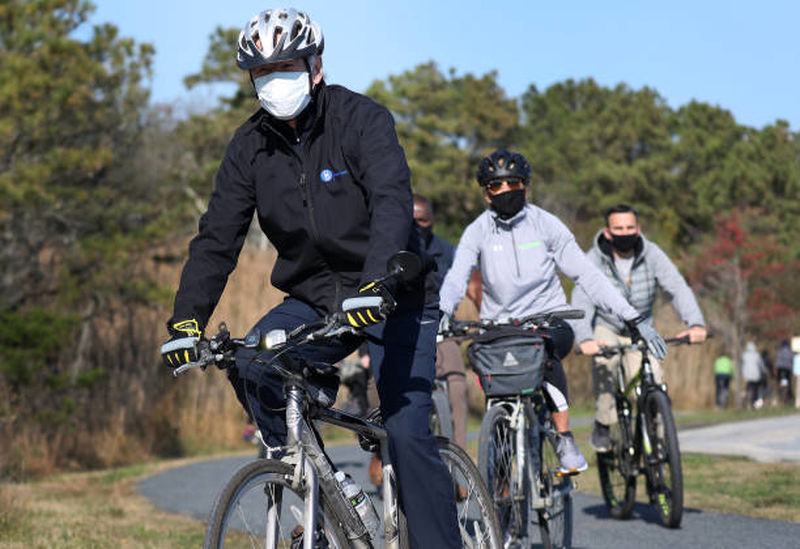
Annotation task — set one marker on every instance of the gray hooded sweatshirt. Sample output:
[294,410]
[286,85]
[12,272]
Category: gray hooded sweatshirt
[518,258]
[651,268]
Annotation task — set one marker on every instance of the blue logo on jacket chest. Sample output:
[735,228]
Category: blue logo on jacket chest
[326,176]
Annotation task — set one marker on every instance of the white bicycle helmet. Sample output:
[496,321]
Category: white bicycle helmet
[297,37]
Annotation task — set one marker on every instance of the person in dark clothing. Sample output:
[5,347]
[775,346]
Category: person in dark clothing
[322,169]
[783,372]
[449,361]
[765,387]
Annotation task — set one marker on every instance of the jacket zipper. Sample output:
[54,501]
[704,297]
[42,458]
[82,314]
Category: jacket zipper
[303,186]
[309,204]
[514,244]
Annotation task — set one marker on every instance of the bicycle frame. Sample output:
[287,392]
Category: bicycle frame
[522,426]
[312,468]
[640,385]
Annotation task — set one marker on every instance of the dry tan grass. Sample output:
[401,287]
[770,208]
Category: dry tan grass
[98,509]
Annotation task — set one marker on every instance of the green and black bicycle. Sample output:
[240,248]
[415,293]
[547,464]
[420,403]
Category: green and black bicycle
[644,441]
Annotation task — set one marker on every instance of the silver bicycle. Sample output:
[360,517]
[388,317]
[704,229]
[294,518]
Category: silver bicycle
[279,500]
[517,446]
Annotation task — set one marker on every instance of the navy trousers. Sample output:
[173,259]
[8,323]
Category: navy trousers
[403,367]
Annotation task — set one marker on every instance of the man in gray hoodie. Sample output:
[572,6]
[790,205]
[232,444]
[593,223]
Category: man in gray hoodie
[637,267]
[519,248]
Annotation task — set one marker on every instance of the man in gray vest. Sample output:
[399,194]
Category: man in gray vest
[637,267]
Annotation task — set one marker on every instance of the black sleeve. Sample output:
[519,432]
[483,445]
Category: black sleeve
[213,253]
[383,171]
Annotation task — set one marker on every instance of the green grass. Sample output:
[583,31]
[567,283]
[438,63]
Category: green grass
[688,419]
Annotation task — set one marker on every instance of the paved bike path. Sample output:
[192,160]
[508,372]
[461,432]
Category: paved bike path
[767,440]
[191,490]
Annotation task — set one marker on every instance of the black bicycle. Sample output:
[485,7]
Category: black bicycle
[279,500]
[644,441]
[517,447]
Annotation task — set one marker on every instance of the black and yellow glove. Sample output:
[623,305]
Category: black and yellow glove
[371,306]
[182,346]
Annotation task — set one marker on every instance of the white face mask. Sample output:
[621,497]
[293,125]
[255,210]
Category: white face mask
[283,94]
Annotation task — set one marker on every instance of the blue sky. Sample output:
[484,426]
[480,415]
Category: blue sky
[741,55]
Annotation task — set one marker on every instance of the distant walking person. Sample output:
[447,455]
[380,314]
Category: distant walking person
[783,372]
[796,371]
[723,371]
[752,370]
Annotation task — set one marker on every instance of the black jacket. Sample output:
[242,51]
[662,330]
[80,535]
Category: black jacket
[335,203]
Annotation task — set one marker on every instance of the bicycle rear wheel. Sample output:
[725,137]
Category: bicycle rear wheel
[476,517]
[663,459]
[239,515]
[497,450]
[616,468]
[555,519]
[441,420]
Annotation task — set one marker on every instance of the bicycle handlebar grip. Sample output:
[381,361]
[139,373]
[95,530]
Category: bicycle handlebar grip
[569,314]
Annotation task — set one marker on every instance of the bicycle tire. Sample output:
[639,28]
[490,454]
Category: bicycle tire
[441,418]
[497,450]
[663,460]
[476,516]
[237,518]
[617,468]
[555,520]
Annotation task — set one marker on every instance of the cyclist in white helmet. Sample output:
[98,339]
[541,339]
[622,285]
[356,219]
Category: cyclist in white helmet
[322,169]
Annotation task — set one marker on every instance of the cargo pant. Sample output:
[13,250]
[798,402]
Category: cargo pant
[604,374]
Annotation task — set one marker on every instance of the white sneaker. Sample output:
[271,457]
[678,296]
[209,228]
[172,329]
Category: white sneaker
[572,461]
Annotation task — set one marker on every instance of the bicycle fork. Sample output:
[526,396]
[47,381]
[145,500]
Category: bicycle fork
[312,468]
[525,434]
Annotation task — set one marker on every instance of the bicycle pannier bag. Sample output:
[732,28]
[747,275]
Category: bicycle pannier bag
[508,361]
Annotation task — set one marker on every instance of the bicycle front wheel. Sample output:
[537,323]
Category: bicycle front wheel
[663,459]
[616,468]
[508,488]
[555,519]
[259,508]
[477,521]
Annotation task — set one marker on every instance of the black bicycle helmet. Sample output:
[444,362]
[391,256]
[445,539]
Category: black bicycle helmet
[501,164]
[298,38]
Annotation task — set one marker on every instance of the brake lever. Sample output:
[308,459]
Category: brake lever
[204,358]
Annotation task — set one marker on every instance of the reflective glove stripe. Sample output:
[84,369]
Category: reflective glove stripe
[352,320]
[189,327]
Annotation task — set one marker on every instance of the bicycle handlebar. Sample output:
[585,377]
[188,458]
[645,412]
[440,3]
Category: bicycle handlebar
[219,349]
[608,351]
[534,321]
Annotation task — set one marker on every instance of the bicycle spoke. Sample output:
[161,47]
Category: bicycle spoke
[240,516]
[476,518]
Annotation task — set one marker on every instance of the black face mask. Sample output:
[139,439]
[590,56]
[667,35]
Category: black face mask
[425,232]
[509,203]
[624,242]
